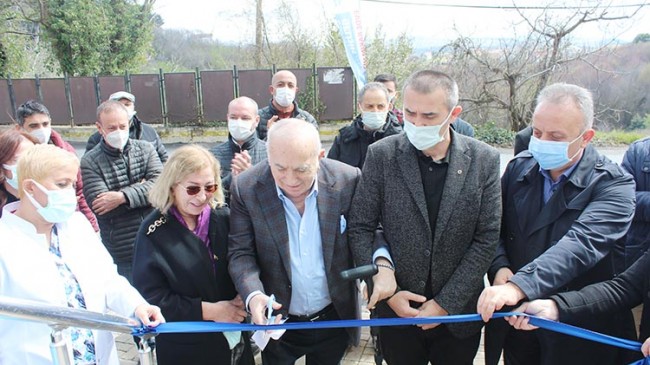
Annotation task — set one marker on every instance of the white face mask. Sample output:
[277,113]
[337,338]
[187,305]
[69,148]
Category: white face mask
[117,139]
[61,204]
[42,134]
[374,120]
[240,130]
[424,137]
[284,96]
[130,113]
[13,182]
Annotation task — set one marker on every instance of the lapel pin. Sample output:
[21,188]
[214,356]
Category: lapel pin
[460,172]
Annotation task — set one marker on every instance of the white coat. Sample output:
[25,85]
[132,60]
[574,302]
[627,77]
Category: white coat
[28,271]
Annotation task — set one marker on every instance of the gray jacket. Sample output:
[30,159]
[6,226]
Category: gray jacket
[133,172]
[467,229]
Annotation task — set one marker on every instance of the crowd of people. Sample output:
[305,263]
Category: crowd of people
[259,227]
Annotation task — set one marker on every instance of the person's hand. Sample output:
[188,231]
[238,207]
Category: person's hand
[543,308]
[149,315]
[502,276]
[431,308]
[229,311]
[271,121]
[645,348]
[400,303]
[107,201]
[240,163]
[384,284]
[495,297]
[257,306]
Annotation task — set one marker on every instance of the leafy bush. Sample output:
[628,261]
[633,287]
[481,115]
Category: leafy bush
[494,135]
[616,137]
[639,122]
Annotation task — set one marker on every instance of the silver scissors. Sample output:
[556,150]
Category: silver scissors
[269,309]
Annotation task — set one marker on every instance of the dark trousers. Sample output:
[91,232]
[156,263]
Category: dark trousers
[321,346]
[410,345]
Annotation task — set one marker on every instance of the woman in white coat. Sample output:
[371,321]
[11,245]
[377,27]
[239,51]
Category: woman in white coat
[50,253]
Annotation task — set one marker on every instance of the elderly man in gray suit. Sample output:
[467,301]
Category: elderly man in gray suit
[437,195]
[288,238]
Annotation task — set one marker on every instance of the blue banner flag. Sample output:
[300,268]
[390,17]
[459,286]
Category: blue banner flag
[348,21]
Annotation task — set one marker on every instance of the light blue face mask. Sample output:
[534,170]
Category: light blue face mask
[374,120]
[13,182]
[424,137]
[61,204]
[551,154]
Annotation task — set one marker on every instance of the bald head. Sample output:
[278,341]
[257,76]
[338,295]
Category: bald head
[243,102]
[284,76]
[294,149]
[295,135]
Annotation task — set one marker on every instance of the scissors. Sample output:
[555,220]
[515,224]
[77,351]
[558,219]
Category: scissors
[269,309]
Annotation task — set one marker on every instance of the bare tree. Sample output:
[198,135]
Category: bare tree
[502,81]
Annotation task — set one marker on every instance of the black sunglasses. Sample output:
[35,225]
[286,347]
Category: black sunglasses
[194,189]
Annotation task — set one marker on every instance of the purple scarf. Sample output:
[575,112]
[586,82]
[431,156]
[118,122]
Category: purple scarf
[202,223]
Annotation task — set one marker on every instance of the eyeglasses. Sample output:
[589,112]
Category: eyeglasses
[194,189]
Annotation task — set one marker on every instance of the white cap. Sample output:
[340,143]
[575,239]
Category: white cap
[122,95]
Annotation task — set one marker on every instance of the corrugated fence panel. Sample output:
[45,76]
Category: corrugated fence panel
[24,89]
[255,85]
[146,89]
[336,92]
[53,91]
[109,85]
[180,89]
[217,89]
[84,100]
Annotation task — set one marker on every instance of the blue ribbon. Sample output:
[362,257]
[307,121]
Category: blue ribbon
[202,327]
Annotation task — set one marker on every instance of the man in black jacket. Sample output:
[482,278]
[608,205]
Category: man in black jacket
[374,123]
[118,174]
[137,128]
[242,149]
[565,206]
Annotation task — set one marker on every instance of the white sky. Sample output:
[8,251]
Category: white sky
[234,20]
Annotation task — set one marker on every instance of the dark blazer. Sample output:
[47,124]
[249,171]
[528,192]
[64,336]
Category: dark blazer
[173,269]
[626,291]
[258,252]
[467,228]
[570,241]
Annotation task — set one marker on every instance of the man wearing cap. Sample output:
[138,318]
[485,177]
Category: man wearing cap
[137,128]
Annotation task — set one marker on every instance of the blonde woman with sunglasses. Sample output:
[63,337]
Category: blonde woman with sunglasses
[180,260]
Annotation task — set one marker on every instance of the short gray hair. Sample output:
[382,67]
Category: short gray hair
[110,106]
[428,81]
[373,86]
[560,93]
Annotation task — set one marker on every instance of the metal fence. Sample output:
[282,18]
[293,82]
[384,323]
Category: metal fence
[179,99]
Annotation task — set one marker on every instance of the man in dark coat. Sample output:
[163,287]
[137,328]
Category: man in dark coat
[137,128]
[242,149]
[119,173]
[288,238]
[564,208]
[283,88]
[373,124]
[436,193]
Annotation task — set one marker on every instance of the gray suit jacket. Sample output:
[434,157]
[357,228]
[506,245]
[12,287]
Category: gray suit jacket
[258,251]
[467,228]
